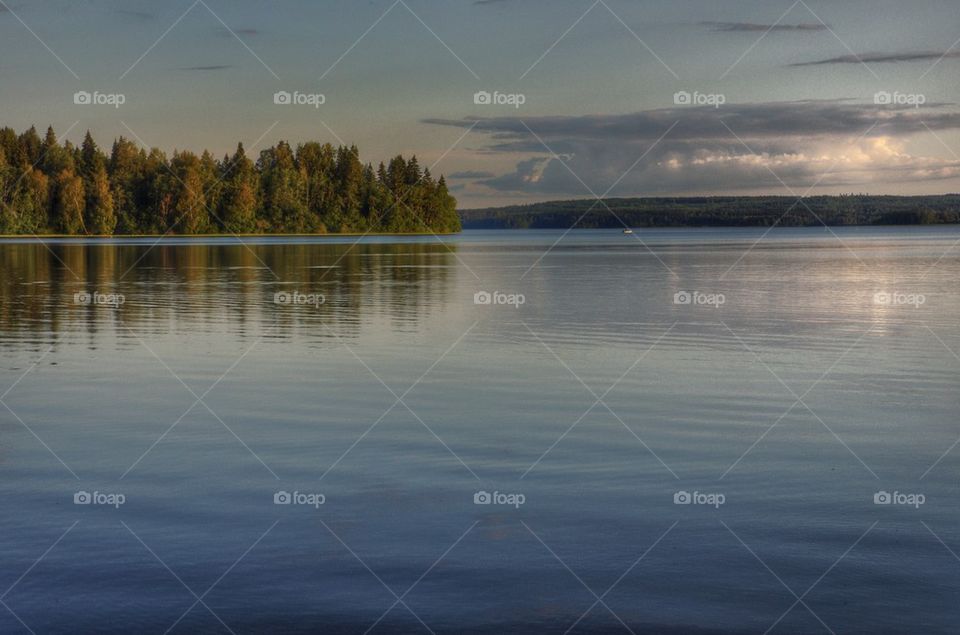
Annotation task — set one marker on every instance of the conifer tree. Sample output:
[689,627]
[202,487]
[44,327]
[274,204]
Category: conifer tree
[190,207]
[126,185]
[240,196]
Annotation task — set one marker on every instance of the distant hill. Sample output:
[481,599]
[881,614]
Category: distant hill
[721,211]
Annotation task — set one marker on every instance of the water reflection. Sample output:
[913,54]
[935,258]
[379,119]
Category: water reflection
[224,287]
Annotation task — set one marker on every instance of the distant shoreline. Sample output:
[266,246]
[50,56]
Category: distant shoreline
[199,237]
[721,211]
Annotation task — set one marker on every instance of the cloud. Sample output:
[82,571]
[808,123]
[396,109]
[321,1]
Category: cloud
[754,120]
[884,58]
[830,142]
[751,27]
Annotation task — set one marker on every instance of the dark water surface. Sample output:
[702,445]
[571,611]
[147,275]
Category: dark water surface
[827,377]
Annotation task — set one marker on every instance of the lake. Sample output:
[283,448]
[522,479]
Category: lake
[679,431]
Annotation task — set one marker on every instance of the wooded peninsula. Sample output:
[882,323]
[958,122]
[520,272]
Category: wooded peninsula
[53,188]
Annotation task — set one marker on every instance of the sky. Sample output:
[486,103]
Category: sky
[516,101]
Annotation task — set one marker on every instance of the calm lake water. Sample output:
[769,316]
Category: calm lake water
[690,431]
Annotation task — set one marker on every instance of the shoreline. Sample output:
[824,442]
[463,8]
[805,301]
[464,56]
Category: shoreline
[438,234]
[116,236]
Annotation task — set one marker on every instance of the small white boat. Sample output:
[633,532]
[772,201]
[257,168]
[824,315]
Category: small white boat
[628,231]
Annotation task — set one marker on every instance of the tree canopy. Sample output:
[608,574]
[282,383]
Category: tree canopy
[52,187]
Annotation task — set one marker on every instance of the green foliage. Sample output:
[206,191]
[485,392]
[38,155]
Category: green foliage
[239,194]
[190,203]
[70,203]
[101,219]
[127,184]
[46,186]
[284,189]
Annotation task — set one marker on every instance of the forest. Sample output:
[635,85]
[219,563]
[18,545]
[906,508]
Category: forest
[48,187]
[721,211]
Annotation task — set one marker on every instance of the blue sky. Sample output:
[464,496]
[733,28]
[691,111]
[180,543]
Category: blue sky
[797,84]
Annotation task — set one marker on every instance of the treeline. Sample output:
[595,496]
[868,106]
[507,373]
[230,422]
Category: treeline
[53,188]
[725,211]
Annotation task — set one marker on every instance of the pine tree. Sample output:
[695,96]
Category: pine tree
[31,146]
[126,185]
[8,213]
[349,187]
[284,190]
[52,157]
[90,158]
[159,195]
[240,197]
[190,207]
[318,163]
[212,187]
[448,220]
[12,150]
